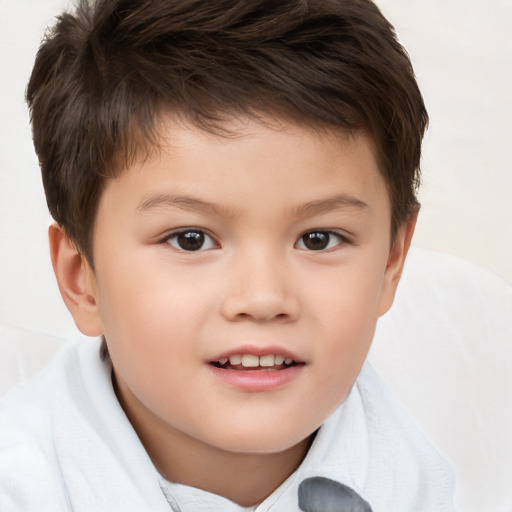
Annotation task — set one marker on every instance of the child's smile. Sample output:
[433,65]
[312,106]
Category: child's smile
[254,368]
[238,282]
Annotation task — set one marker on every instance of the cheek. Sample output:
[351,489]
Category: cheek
[150,335]
[349,297]
[148,293]
[148,314]
[346,320]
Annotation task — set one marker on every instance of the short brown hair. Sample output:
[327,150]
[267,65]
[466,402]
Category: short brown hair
[105,73]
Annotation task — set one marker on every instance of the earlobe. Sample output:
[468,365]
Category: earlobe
[76,282]
[395,263]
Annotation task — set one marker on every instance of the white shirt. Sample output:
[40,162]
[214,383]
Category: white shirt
[66,445]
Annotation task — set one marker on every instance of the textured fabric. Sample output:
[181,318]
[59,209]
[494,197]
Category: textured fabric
[445,349]
[66,445]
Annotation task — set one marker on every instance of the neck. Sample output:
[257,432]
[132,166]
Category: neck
[244,478]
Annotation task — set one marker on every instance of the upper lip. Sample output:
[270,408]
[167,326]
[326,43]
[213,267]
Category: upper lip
[259,351]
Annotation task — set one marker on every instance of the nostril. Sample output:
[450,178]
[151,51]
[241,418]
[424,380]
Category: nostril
[243,316]
[263,316]
[260,306]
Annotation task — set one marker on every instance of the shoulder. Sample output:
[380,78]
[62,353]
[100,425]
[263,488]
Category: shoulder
[66,443]
[29,479]
[26,412]
[389,422]
[419,472]
[29,466]
[371,445]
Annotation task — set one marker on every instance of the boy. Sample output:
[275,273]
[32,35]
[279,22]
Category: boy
[233,185]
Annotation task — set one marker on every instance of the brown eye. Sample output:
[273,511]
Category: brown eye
[191,240]
[319,240]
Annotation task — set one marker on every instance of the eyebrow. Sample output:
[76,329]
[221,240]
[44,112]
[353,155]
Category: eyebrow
[337,202]
[187,203]
[192,204]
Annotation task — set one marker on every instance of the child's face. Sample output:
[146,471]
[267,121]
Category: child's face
[273,243]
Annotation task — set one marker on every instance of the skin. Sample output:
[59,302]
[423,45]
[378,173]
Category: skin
[167,312]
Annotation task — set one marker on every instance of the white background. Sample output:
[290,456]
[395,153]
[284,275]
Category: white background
[462,54]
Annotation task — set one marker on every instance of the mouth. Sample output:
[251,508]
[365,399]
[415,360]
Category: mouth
[253,369]
[245,362]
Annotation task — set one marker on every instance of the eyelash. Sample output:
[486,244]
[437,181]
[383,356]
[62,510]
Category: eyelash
[319,235]
[199,237]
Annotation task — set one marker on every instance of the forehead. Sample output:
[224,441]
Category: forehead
[295,163]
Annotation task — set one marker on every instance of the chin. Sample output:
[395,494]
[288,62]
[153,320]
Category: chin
[260,441]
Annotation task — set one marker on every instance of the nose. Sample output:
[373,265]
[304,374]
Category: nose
[260,288]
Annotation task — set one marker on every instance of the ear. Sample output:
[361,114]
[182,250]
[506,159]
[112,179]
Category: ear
[395,264]
[76,280]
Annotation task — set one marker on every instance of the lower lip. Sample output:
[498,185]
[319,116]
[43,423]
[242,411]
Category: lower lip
[255,381]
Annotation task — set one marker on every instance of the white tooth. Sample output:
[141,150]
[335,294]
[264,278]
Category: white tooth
[288,361]
[279,360]
[223,361]
[235,360]
[267,360]
[250,361]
